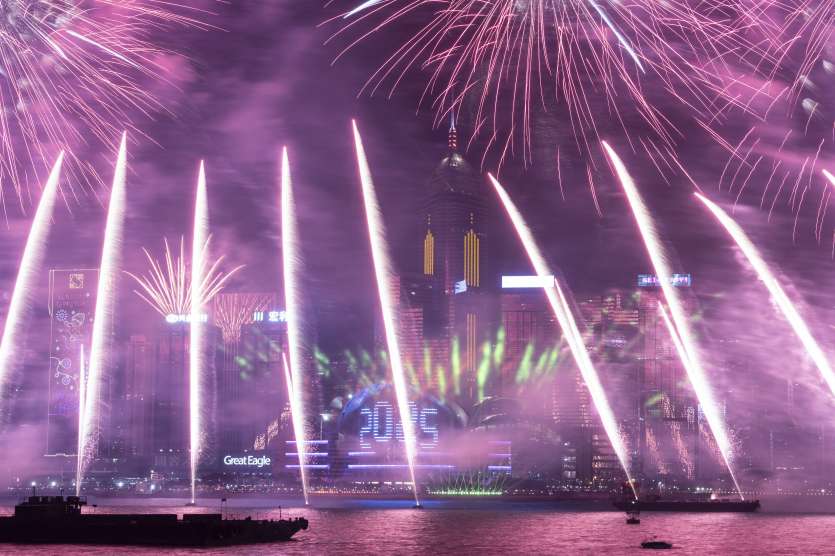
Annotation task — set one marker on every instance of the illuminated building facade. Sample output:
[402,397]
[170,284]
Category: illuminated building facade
[670,441]
[170,396]
[72,303]
[251,385]
[615,342]
[169,406]
[529,327]
[254,335]
[371,438]
[139,365]
[454,248]
[414,295]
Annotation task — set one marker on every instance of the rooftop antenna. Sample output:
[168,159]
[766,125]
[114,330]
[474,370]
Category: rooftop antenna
[453,134]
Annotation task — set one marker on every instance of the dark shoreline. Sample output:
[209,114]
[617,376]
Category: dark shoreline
[771,504]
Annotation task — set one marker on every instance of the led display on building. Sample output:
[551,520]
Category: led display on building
[72,302]
[371,432]
[677,280]
[514,282]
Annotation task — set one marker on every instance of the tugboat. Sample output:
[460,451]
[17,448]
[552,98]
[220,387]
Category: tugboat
[58,519]
[656,545]
[654,503]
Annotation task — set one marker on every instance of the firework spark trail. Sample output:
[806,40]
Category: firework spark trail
[82,387]
[829,176]
[682,355]
[624,42]
[655,453]
[779,296]
[27,277]
[794,75]
[167,285]
[690,355]
[71,72]
[292,297]
[683,456]
[567,323]
[105,307]
[511,54]
[797,29]
[199,255]
[301,446]
[232,311]
[384,276]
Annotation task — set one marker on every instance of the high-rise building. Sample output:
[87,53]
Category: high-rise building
[454,252]
[169,407]
[72,303]
[410,292]
[247,322]
[139,364]
[528,325]
[613,338]
[670,441]
[252,389]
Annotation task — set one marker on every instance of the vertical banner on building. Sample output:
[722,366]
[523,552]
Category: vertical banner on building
[72,302]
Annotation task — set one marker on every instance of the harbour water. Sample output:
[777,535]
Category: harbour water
[492,527]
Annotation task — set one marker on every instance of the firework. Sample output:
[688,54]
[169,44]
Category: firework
[197,340]
[82,387]
[105,307]
[776,161]
[232,311]
[167,285]
[292,298]
[571,333]
[681,333]
[512,56]
[779,296]
[71,72]
[27,276]
[829,177]
[383,274]
[655,453]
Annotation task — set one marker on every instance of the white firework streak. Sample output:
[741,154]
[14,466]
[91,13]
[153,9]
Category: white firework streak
[200,239]
[562,310]
[779,296]
[105,307]
[82,387]
[290,256]
[27,276]
[383,274]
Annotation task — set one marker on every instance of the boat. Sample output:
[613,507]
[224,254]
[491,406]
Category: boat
[685,505]
[59,519]
[632,518]
[631,500]
[656,545]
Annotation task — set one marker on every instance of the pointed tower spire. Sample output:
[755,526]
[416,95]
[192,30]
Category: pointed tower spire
[453,134]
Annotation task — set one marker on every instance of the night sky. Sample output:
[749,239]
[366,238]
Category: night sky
[263,77]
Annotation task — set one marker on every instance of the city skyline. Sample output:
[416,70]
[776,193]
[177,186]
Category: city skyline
[452,324]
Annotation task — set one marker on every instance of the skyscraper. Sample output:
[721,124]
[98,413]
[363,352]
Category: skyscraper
[170,439]
[528,325]
[251,387]
[242,364]
[72,303]
[454,262]
[669,443]
[138,394]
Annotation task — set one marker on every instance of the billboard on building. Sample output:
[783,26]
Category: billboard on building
[513,282]
[72,303]
[677,280]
